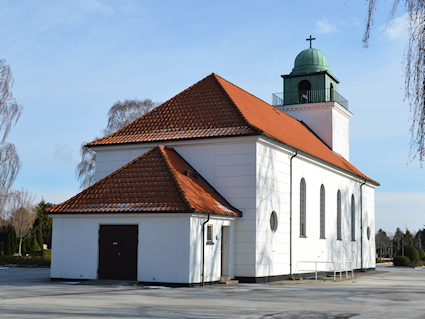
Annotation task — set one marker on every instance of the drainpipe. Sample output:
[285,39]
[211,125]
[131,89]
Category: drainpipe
[361,227]
[203,249]
[290,213]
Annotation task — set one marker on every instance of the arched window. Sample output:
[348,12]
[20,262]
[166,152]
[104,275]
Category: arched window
[322,211]
[302,208]
[304,91]
[353,219]
[338,215]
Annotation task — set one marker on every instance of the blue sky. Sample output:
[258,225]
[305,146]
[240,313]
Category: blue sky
[73,59]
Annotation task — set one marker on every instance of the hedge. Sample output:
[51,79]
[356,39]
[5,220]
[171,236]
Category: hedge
[401,261]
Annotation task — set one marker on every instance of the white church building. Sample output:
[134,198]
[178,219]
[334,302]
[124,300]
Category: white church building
[217,184]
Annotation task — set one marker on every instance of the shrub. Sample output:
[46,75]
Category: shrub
[421,253]
[23,261]
[47,254]
[401,261]
[411,252]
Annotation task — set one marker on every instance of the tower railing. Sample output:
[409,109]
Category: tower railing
[308,96]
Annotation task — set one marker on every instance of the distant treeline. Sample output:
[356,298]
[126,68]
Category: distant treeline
[40,233]
[387,244]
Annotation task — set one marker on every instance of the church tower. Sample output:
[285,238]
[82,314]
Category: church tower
[310,94]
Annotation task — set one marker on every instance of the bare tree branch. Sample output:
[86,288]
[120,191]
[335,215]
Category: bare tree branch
[120,115]
[123,113]
[87,167]
[414,67]
[10,111]
[22,215]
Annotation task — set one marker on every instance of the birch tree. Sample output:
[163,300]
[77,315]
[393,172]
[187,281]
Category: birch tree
[10,112]
[22,215]
[414,66]
[120,115]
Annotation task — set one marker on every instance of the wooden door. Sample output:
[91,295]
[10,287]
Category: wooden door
[118,252]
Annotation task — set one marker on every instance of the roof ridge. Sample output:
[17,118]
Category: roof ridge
[169,101]
[173,174]
[234,103]
[256,97]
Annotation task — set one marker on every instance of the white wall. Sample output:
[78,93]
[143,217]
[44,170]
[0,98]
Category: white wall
[169,247]
[272,249]
[163,249]
[312,248]
[212,252]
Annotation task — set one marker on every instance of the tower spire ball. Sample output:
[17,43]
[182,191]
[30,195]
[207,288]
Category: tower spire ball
[310,39]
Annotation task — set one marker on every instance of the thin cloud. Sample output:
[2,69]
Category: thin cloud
[396,28]
[324,26]
[65,154]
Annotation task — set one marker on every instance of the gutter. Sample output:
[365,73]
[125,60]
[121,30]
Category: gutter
[203,250]
[290,213]
[361,227]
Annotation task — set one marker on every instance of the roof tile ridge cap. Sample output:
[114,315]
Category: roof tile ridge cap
[234,103]
[173,174]
[188,89]
[256,97]
[175,96]
[103,180]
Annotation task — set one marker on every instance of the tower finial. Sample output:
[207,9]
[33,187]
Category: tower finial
[310,39]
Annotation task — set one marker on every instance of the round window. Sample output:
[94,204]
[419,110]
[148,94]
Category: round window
[368,232]
[273,221]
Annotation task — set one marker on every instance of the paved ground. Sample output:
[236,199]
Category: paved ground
[395,293]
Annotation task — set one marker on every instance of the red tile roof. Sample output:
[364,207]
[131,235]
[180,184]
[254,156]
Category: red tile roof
[158,181]
[214,107]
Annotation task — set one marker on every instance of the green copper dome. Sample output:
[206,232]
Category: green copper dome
[310,61]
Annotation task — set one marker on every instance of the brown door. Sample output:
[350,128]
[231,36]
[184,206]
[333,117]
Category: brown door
[118,252]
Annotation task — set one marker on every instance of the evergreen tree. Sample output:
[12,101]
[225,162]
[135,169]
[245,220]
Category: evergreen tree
[44,223]
[34,243]
[8,251]
[40,235]
[408,238]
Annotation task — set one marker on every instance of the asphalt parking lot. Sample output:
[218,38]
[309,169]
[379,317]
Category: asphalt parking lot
[393,293]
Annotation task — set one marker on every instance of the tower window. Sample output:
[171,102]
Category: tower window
[304,92]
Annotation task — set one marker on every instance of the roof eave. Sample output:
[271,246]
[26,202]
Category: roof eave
[177,139]
[375,183]
[191,211]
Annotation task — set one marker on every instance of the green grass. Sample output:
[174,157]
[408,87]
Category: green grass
[24,261]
